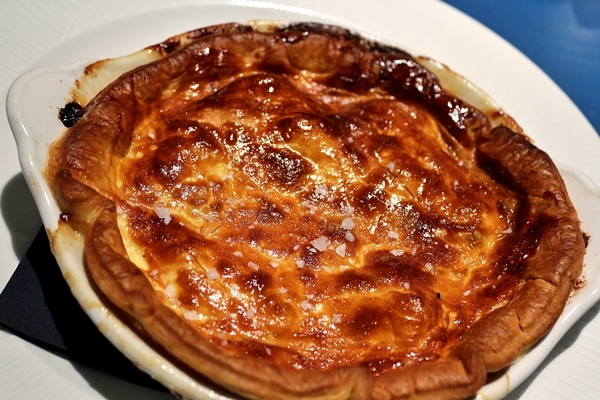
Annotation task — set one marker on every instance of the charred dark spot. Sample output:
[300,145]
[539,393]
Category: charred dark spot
[70,114]
[169,46]
[586,239]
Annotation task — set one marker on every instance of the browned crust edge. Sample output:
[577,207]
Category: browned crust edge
[550,274]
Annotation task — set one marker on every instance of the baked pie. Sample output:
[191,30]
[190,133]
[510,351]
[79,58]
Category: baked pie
[295,211]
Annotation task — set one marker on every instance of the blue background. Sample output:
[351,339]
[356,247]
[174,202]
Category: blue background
[561,36]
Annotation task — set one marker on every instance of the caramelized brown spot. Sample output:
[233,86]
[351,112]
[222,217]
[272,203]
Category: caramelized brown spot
[355,281]
[365,320]
[370,199]
[256,282]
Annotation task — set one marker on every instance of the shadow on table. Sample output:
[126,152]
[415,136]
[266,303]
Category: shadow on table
[20,214]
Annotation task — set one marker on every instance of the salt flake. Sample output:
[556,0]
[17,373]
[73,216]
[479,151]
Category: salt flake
[341,250]
[349,237]
[212,274]
[320,243]
[348,224]
[336,319]
[163,213]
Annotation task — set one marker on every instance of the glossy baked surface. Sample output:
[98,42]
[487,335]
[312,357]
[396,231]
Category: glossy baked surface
[301,196]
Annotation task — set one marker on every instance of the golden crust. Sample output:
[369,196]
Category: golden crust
[328,107]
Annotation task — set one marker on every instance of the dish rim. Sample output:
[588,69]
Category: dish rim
[32,144]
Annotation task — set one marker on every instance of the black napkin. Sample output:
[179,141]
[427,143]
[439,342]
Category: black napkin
[37,305]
